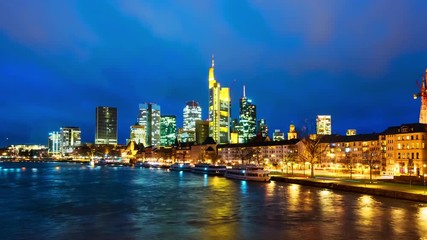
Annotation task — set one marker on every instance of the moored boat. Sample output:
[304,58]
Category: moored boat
[180,167]
[206,168]
[249,173]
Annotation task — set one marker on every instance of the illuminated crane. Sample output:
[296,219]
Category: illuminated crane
[423,95]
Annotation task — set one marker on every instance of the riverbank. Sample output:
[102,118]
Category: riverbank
[377,188]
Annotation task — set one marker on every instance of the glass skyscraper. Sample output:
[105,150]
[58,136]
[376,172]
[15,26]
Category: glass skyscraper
[191,113]
[167,130]
[219,109]
[106,125]
[149,117]
[247,124]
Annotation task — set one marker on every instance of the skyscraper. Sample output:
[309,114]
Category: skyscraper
[149,117]
[138,134]
[167,130]
[106,125]
[54,143]
[202,131]
[278,135]
[70,138]
[262,127]
[219,109]
[247,123]
[191,113]
[323,125]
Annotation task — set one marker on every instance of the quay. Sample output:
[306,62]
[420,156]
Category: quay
[378,187]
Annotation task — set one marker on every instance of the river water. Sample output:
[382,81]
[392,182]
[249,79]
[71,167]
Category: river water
[73,201]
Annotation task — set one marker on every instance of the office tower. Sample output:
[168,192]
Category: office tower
[138,134]
[278,135]
[167,130]
[292,134]
[247,123]
[323,125]
[70,138]
[202,131]
[191,113]
[149,117]
[106,125]
[351,132]
[219,109]
[262,128]
[53,143]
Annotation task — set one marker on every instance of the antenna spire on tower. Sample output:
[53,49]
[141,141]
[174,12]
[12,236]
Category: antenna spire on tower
[244,91]
[213,61]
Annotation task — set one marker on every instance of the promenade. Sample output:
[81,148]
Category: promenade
[378,187]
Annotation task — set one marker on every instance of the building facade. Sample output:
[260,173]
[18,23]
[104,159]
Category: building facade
[167,130]
[278,135]
[262,128]
[54,143]
[247,123]
[191,113]
[106,125]
[149,117]
[70,138]
[219,109]
[138,134]
[202,131]
[323,125]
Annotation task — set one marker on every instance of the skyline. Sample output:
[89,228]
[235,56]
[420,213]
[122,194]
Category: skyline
[356,61]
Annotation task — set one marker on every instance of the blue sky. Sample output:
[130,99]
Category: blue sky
[355,60]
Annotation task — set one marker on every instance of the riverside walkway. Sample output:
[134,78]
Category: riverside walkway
[378,187]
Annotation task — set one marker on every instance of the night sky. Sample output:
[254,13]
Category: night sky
[355,60]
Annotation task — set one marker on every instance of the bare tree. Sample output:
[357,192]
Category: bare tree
[313,149]
[372,156]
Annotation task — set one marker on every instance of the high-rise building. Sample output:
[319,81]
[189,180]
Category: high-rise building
[292,134]
[323,125]
[53,143]
[262,127]
[219,109]
[106,125]
[167,130]
[351,132]
[202,131]
[191,113]
[138,134]
[247,123]
[278,135]
[423,95]
[149,117]
[70,138]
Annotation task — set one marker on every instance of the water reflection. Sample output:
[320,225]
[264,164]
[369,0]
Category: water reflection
[75,202]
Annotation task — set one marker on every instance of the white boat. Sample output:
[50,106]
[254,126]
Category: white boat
[249,173]
[92,163]
[180,167]
[206,168]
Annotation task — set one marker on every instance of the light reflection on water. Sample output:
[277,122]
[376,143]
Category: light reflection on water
[72,201]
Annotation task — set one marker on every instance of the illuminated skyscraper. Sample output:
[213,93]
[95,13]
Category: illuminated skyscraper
[138,134]
[54,143]
[262,128]
[70,138]
[247,123]
[191,113]
[323,125]
[106,125]
[167,130]
[219,109]
[149,117]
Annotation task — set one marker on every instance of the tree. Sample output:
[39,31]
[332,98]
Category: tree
[289,156]
[313,150]
[372,156]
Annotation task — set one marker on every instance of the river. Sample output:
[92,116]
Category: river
[74,201]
